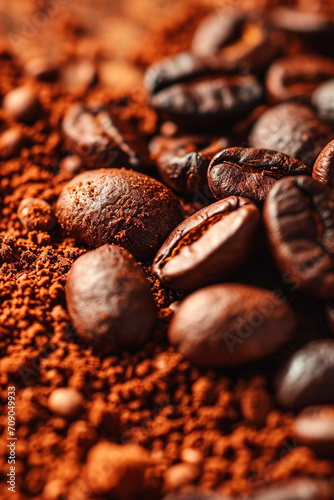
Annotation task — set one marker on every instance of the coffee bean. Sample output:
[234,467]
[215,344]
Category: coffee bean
[307,377]
[71,164]
[195,494]
[180,475]
[36,215]
[185,172]
[330,315]
[323,170]
[301,488]
[299,220]
[250,172]
[233,35]
[225,325]
[101,140]
[293,129]
[109,300]
[116,471]
[65,402]
[22,104]
[314,427]
[296,77]
[323,101]
[119,206]
[44,69]
[11,142]
[195,92]
[209,245]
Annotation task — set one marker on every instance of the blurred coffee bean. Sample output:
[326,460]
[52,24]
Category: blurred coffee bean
[313,27]
[43,69]
[180,475]
[36,215]
[307,377]
[323,170]
[79,75]
[109,300]
[225,325]
[119,206]
[330,315]
[323,101]
[301,488]
[250,172]
[293,129]
[198,92]
[22,104]
[116,471]
[299,220]
[65,402]
[11,143]
[195,494]
[183,166]
[103,141]
[237,37]
[296,77]
[71,164]
[209,245]
[314,427]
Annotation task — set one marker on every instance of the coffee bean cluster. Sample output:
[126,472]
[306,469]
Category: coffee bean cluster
[246,127]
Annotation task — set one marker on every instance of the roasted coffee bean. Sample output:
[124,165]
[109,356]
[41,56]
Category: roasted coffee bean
[194,92]
[11,142]
[195,494]
[225,325]
[44,69]
[307,376]
[109,300]
[103,141]
[330,315]
[323,170]
[301,488]
[296,77]
[119,206]
[293,129]
[299,219]
[65,402]
[323,101]
[233,35]
[314,427]
[71,164]
[22,104]
[36,215]
[250,172]
[313,26]
[208,246]
[184,167]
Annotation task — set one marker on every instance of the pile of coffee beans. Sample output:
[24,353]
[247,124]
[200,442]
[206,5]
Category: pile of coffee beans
[179,254]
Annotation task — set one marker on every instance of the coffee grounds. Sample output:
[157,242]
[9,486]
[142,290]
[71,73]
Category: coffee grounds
[217,429]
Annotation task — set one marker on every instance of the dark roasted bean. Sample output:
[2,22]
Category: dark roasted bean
[296,77]
[184,166]
[323,100]
[299,219]
[314,427]
[109,300]
[250,172]
[225,325]
[36,215]
[103,141]
[293,129]
[244,42]
[119,206]
[22,104]
[209,245]
[323,170]
[301,488]
[307,376]
[194,92]
[330,315]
